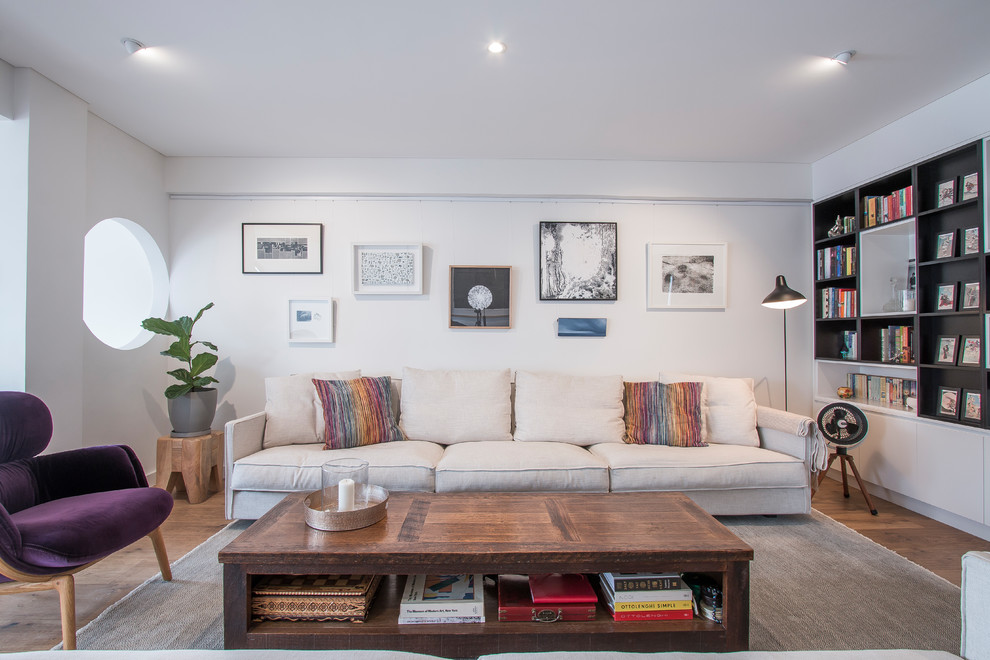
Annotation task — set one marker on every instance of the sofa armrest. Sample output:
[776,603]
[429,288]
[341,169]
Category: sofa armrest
[792,434]
[242,437]
[975,606]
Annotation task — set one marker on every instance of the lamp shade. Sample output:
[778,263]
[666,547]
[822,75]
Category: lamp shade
[783,296]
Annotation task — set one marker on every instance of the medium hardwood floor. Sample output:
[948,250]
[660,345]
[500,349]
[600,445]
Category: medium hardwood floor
[30,622]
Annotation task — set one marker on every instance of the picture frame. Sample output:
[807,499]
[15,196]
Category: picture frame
[945,299]
[579,261]
[946,349]
[480,297]
[311,321]
[945,245]
[971,240]
[686,275]
[972,405]
[281,248]
[970,295]
[948,402]
[970,186]
[387,268]
[946,193]
[970,351]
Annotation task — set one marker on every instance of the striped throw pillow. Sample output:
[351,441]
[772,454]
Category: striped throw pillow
[664,414]
[357,412]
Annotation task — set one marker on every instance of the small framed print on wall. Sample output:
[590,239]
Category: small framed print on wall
[480,297]
[579,261]
[311,321]
[387,268]
[686,275]
[282,248]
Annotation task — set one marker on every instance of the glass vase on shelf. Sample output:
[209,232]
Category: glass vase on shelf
[895,302]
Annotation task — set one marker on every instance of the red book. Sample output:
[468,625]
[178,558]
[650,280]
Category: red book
[652,615]
[562,588]
[516,604]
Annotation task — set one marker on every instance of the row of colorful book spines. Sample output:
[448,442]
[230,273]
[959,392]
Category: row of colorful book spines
[878,209]
[849,339]
[836,262]
[838,303]
[897,343]
[882,388]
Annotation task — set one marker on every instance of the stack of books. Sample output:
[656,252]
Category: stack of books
[646,596]
[313,597]
[443,599]
[880,209]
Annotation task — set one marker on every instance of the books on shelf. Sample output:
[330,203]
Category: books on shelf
[896,344]
[442,599]
[884,390]
[849,350]
[669,598]
[836,261]
[881,209]
[641,581]
[313,597]
[838,303]
[561,588]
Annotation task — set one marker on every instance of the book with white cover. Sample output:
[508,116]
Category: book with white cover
[442,597]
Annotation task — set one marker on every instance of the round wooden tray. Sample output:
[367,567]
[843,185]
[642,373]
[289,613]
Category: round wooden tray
[339,521]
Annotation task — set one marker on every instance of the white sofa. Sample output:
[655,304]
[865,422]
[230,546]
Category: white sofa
[484,431]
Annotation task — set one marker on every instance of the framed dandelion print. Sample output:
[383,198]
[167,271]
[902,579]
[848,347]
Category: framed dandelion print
[686,275]
[479,297]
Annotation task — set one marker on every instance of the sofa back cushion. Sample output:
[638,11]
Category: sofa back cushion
[580,410]
[357,412]
[292,411]
[730,408]
[448,407]
[664,414]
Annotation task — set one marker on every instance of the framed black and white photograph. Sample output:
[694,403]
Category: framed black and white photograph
[311,321]
[969,351]
[970,186]
[578,261]
[972,406]
[480,297]
[281,248]
[946,193]
[686,275]
[971,240]
[946,298]
[971,295]
[387,268]
[945,245]
[945,350]
[948,402]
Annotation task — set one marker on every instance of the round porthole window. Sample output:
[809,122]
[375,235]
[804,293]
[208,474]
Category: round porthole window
[125,281]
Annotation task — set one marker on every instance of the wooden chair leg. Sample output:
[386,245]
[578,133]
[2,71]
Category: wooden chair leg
[65,586]
[158,541]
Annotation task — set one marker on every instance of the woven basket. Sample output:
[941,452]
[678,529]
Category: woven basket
[339,521]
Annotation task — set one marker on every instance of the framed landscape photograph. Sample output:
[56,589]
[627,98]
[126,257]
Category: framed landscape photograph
[969,352]
[970,186]
[972,406]
[971,240]
[480,297]
[578,261]
[948,402]
[945,245]
[946,298]
[311,321]
[686,275]
[971,295]
[946,349]
[281,248]
[387,268]
[946,193]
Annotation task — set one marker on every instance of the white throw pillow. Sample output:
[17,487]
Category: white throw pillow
[294,415]
[730,406]
[580,410]
[448,407]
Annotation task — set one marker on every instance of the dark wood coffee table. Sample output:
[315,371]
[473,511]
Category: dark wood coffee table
[493,533]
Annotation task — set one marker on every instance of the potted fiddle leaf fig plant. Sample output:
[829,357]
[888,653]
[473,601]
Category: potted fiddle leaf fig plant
[191,403]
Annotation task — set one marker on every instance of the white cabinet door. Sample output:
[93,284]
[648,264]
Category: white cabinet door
[888,455]
[950,463]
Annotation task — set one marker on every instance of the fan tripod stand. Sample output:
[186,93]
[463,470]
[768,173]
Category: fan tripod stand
[844,457]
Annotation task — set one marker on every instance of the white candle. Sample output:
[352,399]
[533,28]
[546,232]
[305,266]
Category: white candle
[345,495]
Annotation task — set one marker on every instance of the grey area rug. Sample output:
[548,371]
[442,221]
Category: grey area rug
[814,584]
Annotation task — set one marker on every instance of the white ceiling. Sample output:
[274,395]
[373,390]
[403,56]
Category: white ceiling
[708,80]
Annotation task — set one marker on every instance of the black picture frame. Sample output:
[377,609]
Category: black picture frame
[970,351]
[945,245]
[480,297]
[946,193]
[946,349]
[281,248]
[947,404]
[970,298]
[560,242]
[971,241]
[972,406]
[945,297]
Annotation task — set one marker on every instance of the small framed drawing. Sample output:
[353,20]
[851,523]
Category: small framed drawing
[946,298]
[281,248]
[945,245]
[972,406]
[946,193]
[970,186]
[969,351]
[971,295]
[686,275]
[946,349]
[578,261]
[948,402]
[480,297]
[971,240]
[387,268]
[311,321]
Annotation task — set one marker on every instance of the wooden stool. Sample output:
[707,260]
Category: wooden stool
[192,464]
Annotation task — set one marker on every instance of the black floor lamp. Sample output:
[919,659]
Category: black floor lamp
[784,297]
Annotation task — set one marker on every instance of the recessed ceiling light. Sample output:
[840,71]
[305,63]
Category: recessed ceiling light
[132,45]
[496,48]
[843,57]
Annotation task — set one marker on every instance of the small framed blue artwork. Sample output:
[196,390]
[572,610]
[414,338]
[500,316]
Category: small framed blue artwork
[581,327]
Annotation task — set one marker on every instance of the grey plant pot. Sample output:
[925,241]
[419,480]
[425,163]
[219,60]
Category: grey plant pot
[192,414]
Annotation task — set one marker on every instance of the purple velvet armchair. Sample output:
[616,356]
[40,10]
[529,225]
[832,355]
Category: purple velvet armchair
[62,512]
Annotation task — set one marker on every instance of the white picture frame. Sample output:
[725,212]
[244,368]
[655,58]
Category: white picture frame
[387,268]
[311,321]
[281,248]
[686,275]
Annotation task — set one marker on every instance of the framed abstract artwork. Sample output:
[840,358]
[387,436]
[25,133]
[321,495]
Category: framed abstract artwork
[387,268]
[578,261]
[311,321]
[281,248]
[480,297]
[686,275]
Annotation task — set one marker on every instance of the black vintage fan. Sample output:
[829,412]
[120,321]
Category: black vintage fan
[844,426]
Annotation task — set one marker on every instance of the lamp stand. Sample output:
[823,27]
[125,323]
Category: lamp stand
[785,360]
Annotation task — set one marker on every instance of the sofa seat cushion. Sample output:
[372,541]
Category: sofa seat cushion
[656,467]
[403,465]
[520,467]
